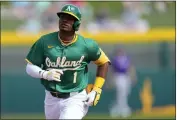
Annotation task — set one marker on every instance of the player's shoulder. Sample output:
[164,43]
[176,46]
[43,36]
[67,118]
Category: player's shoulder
[49,36]
[87,41]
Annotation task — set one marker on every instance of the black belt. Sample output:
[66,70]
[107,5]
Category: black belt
[64,95]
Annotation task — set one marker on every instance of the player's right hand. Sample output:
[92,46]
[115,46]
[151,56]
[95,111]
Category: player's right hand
[93,95]
[52,74]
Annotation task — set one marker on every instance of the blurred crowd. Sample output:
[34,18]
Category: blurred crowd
[41,16]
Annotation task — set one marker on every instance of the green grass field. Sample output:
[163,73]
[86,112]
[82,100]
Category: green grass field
[89,116]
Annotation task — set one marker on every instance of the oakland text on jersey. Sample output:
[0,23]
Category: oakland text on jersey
[62,62]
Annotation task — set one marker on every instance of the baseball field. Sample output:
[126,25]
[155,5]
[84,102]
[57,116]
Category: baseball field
[89,116]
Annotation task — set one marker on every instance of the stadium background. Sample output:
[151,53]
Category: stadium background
[151,48]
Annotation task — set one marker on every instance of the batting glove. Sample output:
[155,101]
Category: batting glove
[52,74]
[93,97]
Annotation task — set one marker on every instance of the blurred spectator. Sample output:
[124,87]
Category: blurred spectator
[102,21]
[124,76]
[161,6]
[31,21]
[131,20]
[21,9]
[42,17]
[49,18]
[31,26]
[42,6]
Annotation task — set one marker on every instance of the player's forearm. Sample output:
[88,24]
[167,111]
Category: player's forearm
[33,70]
[101,75]
[102,70]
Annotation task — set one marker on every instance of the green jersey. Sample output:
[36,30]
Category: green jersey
[49,52]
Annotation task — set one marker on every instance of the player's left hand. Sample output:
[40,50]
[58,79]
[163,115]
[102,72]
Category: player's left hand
[93,97]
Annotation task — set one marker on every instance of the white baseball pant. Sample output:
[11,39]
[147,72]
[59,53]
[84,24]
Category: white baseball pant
[70,108]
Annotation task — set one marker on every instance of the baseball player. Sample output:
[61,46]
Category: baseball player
[60,61]
[124,77]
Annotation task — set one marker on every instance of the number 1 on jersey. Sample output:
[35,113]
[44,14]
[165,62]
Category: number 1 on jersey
[75,75]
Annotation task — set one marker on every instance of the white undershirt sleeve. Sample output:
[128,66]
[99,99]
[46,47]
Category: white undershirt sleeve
[33,70]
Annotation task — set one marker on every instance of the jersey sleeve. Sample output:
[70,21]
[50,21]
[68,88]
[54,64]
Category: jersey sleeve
[96,54]
[93,50]
[102,59]
[36,53]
